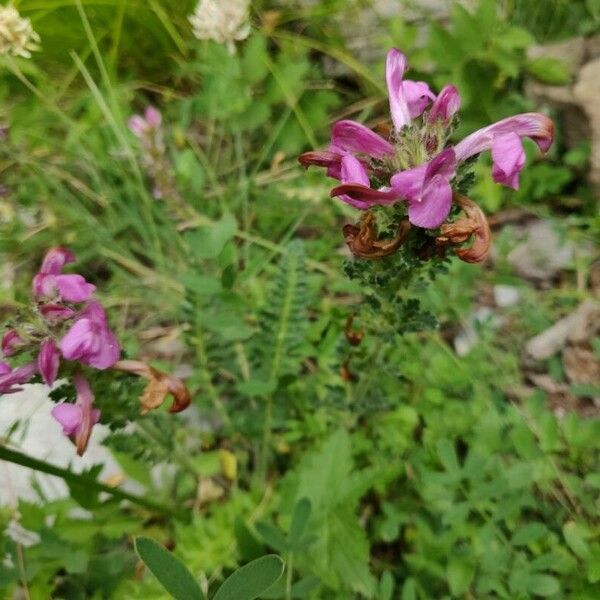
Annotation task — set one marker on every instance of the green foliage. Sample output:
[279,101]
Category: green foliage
[246,583]
[392,468]
[172,574]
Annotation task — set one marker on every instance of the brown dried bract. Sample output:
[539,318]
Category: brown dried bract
[473,225]
[364,243]
[159,385]
[354,337]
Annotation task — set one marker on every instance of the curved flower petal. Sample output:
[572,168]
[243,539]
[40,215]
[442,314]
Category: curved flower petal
[350,136]
[69,416]
[394,72]
[56,312]
[78,419]
[353,171]
[432,209]
[44,285]
[11,341]
[74,288]
[536,126]
[55,260]
[48,361]
[4,368]
[79,341]
[319,158]
[418,97]
[90,340]
[362,196]
[509,157]
[445,106]
[153,117]
[15,377]
[408,183]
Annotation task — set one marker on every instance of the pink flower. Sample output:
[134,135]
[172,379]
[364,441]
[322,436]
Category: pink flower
[142,126]
[503,138]
[49,280]
[426,188]
[77,420]
[90,341]
[48,361]
[445,106]
[413,165]
[56,312]
[11,341]
[9,378]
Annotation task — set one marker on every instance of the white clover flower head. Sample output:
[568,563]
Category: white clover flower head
[17,36]
[224,21]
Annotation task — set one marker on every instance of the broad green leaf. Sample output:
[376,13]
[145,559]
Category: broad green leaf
[575,536]
[170,572]
[299,521]
[460,574]
[251,580]
[529,533]
[543,585]
[208,241]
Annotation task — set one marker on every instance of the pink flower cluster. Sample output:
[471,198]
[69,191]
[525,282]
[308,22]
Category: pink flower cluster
[147,128]
[415,164]
[66,323]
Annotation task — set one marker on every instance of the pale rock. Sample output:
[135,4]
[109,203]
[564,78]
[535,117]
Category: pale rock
[542,254]
[576,327]
[506,295]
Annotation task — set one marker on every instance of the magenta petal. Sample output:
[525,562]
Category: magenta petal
[509,157]
[443,164]
[55,260]
[350,136]
[70,417]
[536,126]
[4,368]
[153,117]
[44,285]
[137,126]
[394,72]
[16,377]
[353,171]
[56,312]
[408,183]
[90,341]
[74,288]
[446,105]
[11,342]
[434,206]
[48,361]
[418,97]
[365,194]
[79,341]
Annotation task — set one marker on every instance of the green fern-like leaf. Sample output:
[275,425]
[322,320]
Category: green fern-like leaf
[284,320]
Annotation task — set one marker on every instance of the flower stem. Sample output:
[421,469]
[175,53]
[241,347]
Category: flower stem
[289,576]
[18,458]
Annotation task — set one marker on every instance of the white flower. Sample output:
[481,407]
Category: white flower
[17,37]
[224,21]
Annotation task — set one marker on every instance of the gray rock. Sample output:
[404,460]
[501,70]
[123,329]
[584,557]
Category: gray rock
[579,101]
[506,295]
[542,254]
[576,327]
[40,436]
